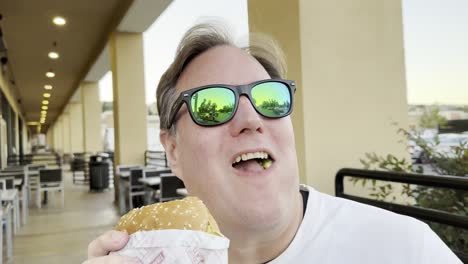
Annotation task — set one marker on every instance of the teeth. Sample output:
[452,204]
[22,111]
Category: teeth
[253,155]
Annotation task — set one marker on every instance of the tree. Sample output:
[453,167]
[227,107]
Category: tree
[152,109]
[107,106]
[431,118]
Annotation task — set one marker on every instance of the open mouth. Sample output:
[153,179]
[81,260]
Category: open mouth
[252,160]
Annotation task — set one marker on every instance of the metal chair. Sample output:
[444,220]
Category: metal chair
[135,188]
[168,188]
[33,177]
[50,180]
[9,195]
[5,220]
[122,172]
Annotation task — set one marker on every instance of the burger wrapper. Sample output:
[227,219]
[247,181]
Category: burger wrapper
[176,246]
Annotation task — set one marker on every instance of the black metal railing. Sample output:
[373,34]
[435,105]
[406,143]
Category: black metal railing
[425,214]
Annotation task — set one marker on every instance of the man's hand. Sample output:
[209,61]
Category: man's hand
[109,241]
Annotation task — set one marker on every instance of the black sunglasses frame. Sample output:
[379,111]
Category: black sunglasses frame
[238,90]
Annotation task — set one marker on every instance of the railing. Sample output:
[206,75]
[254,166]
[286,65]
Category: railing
[427,214]
[155,158]
[44,158]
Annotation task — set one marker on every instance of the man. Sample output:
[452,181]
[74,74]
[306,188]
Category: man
[226,129]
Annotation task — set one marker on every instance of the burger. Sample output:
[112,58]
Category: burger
[186,214]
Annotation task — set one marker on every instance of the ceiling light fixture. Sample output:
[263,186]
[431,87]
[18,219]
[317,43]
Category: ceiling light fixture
[50,74]
[48,87]
[46,95]
[53,55]
[59,21]
[44,107]
[44,112]
[45,102]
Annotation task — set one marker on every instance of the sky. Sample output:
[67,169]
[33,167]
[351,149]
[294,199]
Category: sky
[436,51]
[161,39]
[435,42]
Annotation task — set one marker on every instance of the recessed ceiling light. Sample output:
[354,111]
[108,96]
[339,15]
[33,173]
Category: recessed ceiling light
[44,112]
[44,107]
[53,55]
[45,102]
[42,121]
[48,87]
[59,21]
[46,95]
[50,74]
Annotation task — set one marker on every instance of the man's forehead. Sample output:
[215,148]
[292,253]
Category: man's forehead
[221,65]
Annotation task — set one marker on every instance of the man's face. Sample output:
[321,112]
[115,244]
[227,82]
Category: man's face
[245,195]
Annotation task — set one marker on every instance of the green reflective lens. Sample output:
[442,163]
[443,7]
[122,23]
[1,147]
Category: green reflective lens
[213,105]
[272,99]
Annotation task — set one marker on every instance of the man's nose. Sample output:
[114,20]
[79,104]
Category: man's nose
[246,119]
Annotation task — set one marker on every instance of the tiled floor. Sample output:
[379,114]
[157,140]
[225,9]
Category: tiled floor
[55,235]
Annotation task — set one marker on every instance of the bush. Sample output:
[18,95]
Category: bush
[455,164]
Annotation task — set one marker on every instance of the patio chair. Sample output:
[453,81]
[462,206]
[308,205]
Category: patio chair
[50,180]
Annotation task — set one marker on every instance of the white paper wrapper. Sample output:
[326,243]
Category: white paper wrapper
[176,246]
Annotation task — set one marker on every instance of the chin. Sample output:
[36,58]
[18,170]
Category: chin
[260,216]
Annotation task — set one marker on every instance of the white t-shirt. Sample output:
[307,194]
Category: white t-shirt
[336,230]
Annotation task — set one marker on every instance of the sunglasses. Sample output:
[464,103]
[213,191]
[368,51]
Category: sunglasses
[216,104]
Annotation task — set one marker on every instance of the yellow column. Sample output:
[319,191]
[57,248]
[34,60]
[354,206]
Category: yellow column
[66,131]
[348,62]
[54,136]
[91,117]
[76,127]
[49,138]
[59,147]
[17,134]
[129,98]
[263,18]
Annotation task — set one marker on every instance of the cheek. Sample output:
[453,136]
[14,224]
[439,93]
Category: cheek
[283,133]
[197,146]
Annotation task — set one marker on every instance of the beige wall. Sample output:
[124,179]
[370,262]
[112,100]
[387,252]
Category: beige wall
[352,79]
[76,127]
[129,98]
[91,107]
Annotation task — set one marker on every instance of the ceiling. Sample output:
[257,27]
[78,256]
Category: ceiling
[29,35]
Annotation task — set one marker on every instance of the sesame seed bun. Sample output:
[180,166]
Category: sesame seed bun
[186,214]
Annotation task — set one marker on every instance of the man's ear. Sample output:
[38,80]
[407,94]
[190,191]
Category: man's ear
[170,145]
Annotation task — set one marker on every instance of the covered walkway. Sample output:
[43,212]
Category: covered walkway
[55,235]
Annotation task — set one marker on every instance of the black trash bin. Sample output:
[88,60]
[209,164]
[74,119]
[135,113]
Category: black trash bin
[98,173]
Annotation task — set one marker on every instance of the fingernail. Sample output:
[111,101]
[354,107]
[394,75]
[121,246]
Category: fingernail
[132,261]
[118,236]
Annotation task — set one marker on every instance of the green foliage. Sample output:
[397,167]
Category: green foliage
[441,199]
[107,106]
[431,118]
[207,111]
[152,109]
